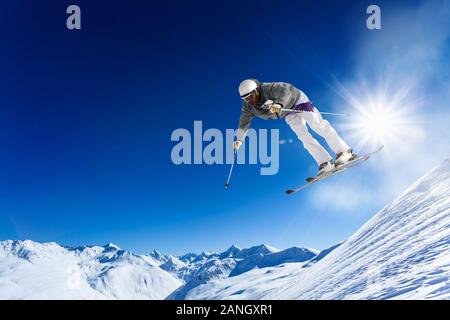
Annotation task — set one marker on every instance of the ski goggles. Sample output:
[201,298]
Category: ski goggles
[250,97]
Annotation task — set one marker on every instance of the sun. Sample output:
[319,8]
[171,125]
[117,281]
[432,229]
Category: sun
[382,118]
[378,124]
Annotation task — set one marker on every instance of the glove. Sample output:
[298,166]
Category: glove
[275,108]
[237,144]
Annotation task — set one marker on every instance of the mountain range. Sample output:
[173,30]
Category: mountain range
[402,252]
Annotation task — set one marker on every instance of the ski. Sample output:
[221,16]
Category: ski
[358,160]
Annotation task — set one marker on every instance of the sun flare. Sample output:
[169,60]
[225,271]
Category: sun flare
[383,119]
[378,125]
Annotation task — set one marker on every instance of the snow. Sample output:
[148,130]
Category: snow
[259,260]
[261,249]
[30,270]
[232,251]
[175,266]
[322,254]
[203,268]
[156,257]
[401,253]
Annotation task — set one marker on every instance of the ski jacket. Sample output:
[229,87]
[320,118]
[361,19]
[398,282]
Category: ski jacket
[282,93]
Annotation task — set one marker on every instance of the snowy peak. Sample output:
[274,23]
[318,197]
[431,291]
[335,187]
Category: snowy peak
[188,257]
[173,264]
[231,252]
[262,249]
[259,260]
[105,254]
[111,247]
[155,253]
[206,254]
[195,258]
[29,250]
[156,257]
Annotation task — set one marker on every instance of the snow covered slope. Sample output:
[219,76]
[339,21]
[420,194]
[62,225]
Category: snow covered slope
[30,270]
[403,252]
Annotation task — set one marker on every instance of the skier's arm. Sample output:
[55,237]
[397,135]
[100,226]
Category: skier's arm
[244,123]
[281,93]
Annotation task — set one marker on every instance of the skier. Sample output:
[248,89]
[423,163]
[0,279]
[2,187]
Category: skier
[266,101]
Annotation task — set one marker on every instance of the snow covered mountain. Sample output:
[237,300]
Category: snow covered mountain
[210,265]
[202,269]
[403,252]
[259,260]
[30,270]
[157,257]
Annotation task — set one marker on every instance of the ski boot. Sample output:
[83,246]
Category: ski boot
[326,167]
[344,157]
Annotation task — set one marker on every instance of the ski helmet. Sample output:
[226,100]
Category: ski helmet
[248,86]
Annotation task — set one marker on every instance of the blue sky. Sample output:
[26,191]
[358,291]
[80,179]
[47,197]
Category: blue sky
[86,117]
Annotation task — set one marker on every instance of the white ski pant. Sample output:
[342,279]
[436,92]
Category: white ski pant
[298,122]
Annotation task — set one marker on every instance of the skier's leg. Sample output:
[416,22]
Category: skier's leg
[323,128]
[298,125]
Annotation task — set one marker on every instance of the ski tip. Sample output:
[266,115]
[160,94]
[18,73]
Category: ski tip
[290,191]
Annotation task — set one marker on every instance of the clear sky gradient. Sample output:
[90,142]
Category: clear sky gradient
[86,117]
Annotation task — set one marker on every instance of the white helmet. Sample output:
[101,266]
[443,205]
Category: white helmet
[248,86]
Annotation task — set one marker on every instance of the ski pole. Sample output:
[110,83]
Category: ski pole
[329,113]
[227,184]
